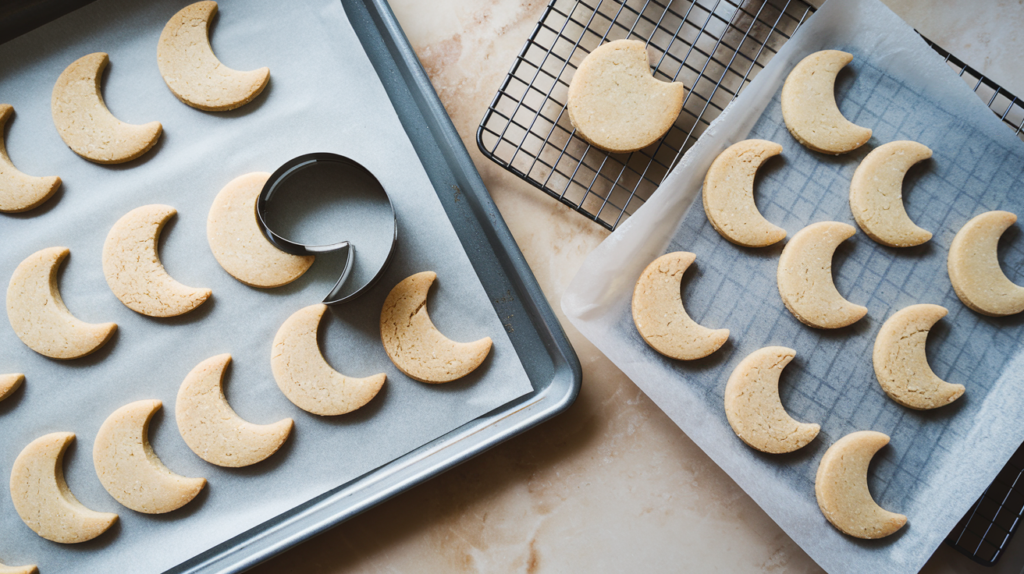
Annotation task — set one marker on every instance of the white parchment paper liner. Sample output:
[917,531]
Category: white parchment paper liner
[323,96]
[938,462]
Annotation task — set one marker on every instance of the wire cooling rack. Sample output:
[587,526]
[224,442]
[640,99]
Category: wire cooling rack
[715,47]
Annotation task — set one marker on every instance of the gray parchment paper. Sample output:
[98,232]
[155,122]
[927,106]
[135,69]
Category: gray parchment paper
[938,462]
[323,96]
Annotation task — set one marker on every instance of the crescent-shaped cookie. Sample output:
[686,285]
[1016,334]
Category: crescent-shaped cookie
[134,271]
[809,105]
[213,430]
[42,497]
[753,407]
[901,365]
[193,72]
[38,315]
[415,345]
[84,122]
[20,192]
[9,384]
[876,194]
[616,104]
[660,317]
[129,468]
[30,569]
[974,270]
[841,487]
[805,277]
[729,194]
[304,376]
[239,245]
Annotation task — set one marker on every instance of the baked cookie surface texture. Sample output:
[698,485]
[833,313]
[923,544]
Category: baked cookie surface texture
[753,407]
[728,194]
[194,73]
[973,266]
[841,487]
[616,104]
[42,497]
[876,194]
[20,192]
[415,345]
[239,245]
[84,122]
[901,366]
[809,105]
[660,317]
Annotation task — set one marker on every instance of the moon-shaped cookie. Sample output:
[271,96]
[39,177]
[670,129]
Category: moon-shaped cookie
[660,317]
[129,468]
[38,315]
[9,384]
[239,245]
[134,271]
[43,499]
[616,104]
[841,487]
[20,192]
[973,266]
[805,277]
[415,345]
[193,72]
[876,194]
[85,123]
[304,376]
[729,194]
[809,105]
[213,430]
[901,365]
[753,407]
[31,569]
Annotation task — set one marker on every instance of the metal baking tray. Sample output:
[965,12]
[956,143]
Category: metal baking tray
[545,352]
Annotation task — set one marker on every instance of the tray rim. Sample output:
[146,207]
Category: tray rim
[431,131]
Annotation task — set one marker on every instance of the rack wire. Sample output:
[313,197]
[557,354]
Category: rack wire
[715,47]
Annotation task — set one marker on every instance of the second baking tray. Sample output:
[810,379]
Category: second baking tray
[543,349]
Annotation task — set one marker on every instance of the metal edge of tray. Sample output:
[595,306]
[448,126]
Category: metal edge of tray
[542,345]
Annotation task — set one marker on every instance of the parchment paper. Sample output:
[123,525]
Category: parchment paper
[939,461]
[323,96]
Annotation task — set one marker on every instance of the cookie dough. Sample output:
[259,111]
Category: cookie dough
[42,497]
[9,384]
[876,194]
[134,271]
[84,122]
[729,194]
[213,430]
[841,487]
[974,270]
[616,104]
[20,192]
[660,317]
[130,470]
[901,365]
[753,407]
[412,342]
[38,315]
[304,376]
[192,71]
[239,245]
[809,105]
[805,277]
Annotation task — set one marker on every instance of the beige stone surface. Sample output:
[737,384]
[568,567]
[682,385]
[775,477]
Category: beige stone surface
[612,485]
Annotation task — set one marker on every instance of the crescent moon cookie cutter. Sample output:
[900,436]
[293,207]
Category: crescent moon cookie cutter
[346,171]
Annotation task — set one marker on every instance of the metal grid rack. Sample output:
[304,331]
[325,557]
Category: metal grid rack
[715,47]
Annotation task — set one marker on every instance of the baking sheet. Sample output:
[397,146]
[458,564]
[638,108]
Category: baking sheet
[324,96]
[938,462]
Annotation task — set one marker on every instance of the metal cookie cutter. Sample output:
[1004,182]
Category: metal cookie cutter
[345,169]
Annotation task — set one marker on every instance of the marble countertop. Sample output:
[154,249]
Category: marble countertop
[612,485]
